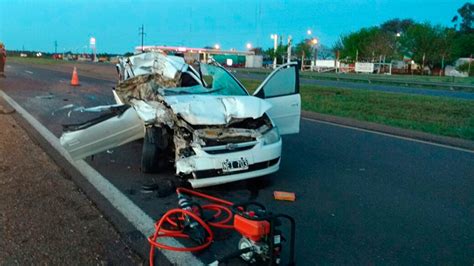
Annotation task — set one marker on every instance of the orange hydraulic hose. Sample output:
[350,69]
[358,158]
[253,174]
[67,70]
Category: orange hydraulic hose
[181,190]
[160,232]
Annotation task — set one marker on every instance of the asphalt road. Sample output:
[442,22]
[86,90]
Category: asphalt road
[362,198]
[367,86]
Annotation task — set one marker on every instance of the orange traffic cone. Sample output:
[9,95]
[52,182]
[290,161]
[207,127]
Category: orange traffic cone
[75,78]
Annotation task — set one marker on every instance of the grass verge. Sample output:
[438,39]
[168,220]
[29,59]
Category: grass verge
[436,115]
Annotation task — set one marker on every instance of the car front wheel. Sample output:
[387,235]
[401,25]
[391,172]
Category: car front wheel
[154,147]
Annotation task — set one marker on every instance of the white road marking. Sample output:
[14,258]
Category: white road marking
[389,135]
[142,221]
[29,72]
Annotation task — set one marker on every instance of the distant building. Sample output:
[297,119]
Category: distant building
[232,57]
[462,61]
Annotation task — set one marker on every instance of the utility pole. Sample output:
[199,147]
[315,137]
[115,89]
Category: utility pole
[55,47]
[141,31]
[275,47]
[289,50]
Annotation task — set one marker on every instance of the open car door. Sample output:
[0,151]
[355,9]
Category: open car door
[118,125]
[281,89]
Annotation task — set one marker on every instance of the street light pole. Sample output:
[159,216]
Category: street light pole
[289,50]
[314,42]
[275,47]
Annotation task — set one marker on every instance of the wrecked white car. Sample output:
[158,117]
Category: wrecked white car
[201,118]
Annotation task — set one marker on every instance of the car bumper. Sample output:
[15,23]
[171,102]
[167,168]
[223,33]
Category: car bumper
[206,169]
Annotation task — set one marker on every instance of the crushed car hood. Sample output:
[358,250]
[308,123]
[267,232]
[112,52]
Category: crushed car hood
[215,109]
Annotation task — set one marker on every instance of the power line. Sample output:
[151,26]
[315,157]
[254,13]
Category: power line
[141,31]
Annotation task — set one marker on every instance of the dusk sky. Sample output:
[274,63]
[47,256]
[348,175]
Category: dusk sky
[35,25]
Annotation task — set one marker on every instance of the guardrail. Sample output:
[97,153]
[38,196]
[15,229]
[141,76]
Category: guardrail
[368,79]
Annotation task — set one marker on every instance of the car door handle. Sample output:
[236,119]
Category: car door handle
[294,104]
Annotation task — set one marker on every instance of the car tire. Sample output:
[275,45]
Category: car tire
[153,151]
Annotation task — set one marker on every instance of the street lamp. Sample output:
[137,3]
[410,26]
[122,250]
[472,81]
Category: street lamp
[314,43]
[217,46]
[249,46]
[309,32]
[275,47]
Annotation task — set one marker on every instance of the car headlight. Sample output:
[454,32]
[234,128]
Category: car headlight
[271,136]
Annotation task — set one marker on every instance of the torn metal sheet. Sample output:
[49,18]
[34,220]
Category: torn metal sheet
[107,134]
[153,112]
[148,63]
[143,87]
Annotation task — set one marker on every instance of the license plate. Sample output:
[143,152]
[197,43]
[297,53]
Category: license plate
[235,165]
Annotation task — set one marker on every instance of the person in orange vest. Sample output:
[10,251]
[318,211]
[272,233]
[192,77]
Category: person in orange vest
[3,60]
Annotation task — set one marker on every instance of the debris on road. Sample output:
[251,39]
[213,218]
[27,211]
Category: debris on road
[282,195]
[46,97]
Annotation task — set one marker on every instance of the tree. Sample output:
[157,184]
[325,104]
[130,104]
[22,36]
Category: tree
[257,50]
[280,52]
[303,48]
[466,68]
[428,45]
[396,25]
[325,52]
[466,12]
[463,42]
[366,45]
[463,45]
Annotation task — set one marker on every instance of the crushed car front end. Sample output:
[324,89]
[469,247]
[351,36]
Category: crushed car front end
[218,155]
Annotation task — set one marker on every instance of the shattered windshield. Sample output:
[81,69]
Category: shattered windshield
[222,81]
[218,80]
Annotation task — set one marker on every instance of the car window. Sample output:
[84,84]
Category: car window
[281,83]
[220,81]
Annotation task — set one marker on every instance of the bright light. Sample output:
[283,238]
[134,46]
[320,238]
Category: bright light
[273,36]
[309,32]
[249,46]
[314,41]
[217,46]
[399,34]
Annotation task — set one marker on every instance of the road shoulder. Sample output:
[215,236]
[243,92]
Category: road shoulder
[45,218]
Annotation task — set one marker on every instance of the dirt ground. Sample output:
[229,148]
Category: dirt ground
[44,217]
